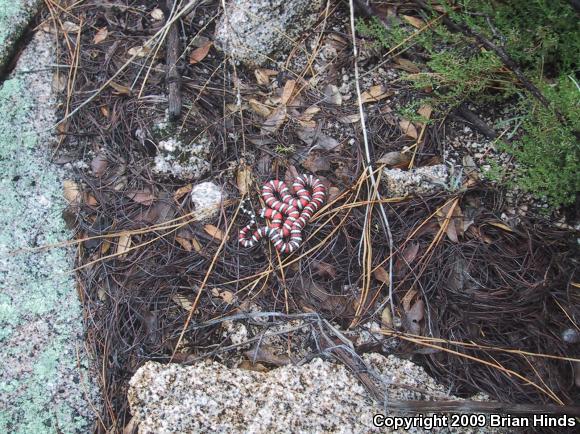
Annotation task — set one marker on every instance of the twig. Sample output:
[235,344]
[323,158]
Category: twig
[173,76]
[369,167]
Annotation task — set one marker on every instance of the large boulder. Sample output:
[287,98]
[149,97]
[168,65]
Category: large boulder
[255,31]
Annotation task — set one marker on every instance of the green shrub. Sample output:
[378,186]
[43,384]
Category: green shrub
[543,37]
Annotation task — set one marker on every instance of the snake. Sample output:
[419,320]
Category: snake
[286,212]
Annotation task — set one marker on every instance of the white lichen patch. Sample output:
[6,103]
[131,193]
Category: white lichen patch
[187,162]
[206,198]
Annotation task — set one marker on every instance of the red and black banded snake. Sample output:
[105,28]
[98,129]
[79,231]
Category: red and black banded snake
[286,212]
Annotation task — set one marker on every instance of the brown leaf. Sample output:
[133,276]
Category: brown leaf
[259,108]
[287,91]
[425,111]
[381,275]
[375,93]
[501,225]
[414,21]
[196,245]
[244,178]
[72,193]
[410,252]
[123,245]
[101,35]
[266,354]
[182,191]
[185,243]
[104,111]
[414,316]
[316,162]
[263,76]
[120,89]
[349,119]
[99,165]
[182,301]
[395,159]
[275,120]
[70,27]
[200,53]
[144,197]
[315,138]
[246,365]
[407,65]
[387,318]
[408,128]
[325,270]
[214,232]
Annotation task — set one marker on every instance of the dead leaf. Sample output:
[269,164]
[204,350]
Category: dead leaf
[182,191]
[185,243]
[316,162]
[375,93]
[425,112]
[214,232]
[196,245]
[263,76]
[69,27]
[200,53]
[104,111]
[349,119]
[246,365]
[59,81]
[275,120]
[72,193]
[501,226]
[414,316]
[101,35]
[227,296]
[157,14]
[91,200]
[99,165]
[259,108]
[144,197]
[332,95]
[387,318]
[315,138]
[267,354]
[325,270]
[182,301]
[381,275]
[455,225]
[410,252]
[407,298]
[414,21]
[120,89]
[287,91]
[408,128]
[139,51]
[244,178]
[407,65]
[333,193]
[395,159]
[123,245]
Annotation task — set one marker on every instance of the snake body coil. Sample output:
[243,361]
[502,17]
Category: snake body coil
[287,213]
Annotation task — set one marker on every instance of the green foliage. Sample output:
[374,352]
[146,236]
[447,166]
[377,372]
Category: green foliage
[548,152]
[543,37]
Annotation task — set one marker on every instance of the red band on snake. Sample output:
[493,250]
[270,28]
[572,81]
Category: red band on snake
[286,213]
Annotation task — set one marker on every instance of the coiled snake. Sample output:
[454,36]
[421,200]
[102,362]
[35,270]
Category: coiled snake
[287,213]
